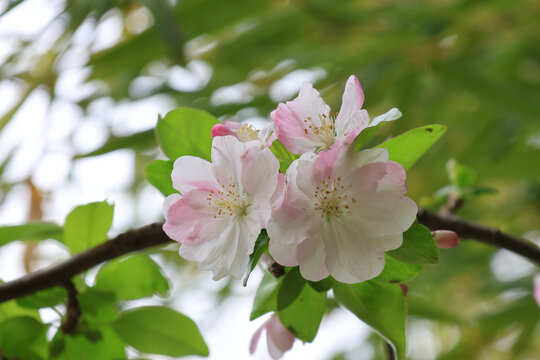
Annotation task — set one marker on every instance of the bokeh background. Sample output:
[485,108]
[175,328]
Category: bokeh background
[82,83]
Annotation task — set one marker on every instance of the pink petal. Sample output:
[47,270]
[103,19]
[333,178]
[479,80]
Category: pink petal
[349,259]
[395,179]
[353,98]
[255,339]
[536,291]
[259,172]
[221,130]
[278,338]
[445,239]
[293,118]
[190,172]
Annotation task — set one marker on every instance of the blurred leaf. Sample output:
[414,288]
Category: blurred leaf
[323,285]
[107,346]
[381,306]
[186,131]
[44,298]
[160,330]
[134,277]
[407,148]
[300,307]
[396,271]
[460,175]
[418,247]
[266,297]
[366,134]
[97,306]
[261,245]
[23,337]
[424,308]
[158,173]
[30,232]
[87,226]
[138,141]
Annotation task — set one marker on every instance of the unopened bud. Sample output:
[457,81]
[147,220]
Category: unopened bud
[221,130]
[445,239]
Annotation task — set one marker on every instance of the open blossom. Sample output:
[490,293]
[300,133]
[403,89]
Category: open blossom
[306,124]
[278,338]
[224,204]
[342,210]
[245,132]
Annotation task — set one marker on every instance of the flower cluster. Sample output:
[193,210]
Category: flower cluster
[335,211]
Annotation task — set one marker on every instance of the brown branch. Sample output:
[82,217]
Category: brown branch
[153,235]
[73,310]
[485,234]
[58,275]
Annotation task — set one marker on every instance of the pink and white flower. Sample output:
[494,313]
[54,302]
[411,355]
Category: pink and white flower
[245,132]
[278,338]
[224,204]
[306,124]
[342,210]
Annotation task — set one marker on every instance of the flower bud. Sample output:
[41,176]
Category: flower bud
[445,239]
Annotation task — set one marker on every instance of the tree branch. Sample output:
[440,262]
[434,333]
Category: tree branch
[153,235]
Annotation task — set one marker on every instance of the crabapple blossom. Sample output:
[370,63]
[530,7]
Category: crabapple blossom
[536,290]
[341,211]
[306,124]
[223,205]
[245,132]
[445,239]
[278,338]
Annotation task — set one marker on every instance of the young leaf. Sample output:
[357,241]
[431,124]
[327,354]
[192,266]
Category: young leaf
[300,307]
[87,225]
[22,337]
[418,247]
[158,173]
[380,305]
[408,147]
[132,278]
[186,131]
[261,245]
[396,271]
[44,298]
[160,330]
[30,232]
[266,297]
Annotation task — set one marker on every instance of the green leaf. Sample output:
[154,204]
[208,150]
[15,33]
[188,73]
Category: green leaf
[158,173]
[284,156]
[418,247]
[44,298]
[30,232]
[397,272]
[134,277]
[186,131]
[87,225]
[266,297]
[261,245]
[23,337]
[106,346]
[380,305]
[300,307]
[160,330]
[98,306]
[460,175]
[366,134]
[408,147]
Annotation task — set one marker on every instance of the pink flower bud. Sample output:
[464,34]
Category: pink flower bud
[221,130]
[445,239]
[536,291]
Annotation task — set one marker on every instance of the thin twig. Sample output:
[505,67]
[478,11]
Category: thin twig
[73,310]
[153,235]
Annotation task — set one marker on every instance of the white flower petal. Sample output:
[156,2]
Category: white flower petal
[390,115]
